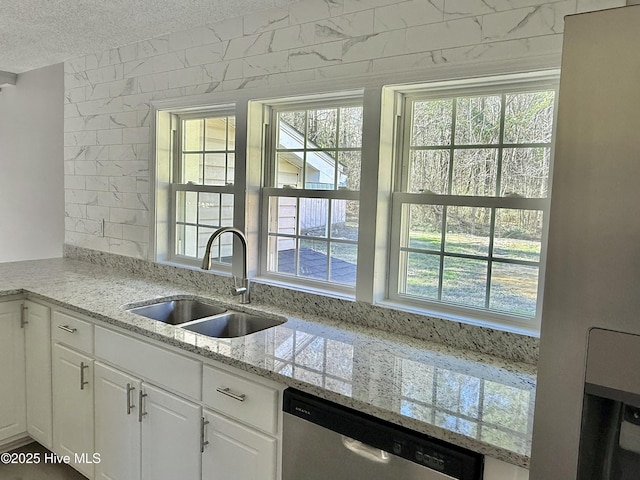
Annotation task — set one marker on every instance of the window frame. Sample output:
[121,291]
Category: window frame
[269,190]
[498,85]
[177,183]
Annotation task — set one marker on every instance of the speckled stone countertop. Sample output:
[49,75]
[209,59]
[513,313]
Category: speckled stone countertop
[470,399]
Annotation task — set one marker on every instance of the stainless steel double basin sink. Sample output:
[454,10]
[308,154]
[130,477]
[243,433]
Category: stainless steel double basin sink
[197,315]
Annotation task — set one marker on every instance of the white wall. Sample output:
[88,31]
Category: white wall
[108,94]
[31,166]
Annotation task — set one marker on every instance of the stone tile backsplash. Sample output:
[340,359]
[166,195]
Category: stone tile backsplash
[510,346]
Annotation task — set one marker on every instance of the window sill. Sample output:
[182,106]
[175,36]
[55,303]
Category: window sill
[455,316]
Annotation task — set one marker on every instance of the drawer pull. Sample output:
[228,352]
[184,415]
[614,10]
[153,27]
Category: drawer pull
[227,391]
[67,328]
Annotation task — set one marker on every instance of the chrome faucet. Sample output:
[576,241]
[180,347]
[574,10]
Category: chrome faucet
[243,289]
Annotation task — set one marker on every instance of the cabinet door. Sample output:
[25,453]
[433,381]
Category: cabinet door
[12,382]
[498,470]
[235,451]
[117,428]
[38,368]
[73,407]
[170,436]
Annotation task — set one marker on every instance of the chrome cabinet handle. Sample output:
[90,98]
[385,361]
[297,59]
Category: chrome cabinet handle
[67,328]
[129,406]
[82,381]
[23,316]
[203,442]
[241,397]
[141,412]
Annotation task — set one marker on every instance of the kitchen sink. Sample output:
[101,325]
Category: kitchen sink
[178,311]
[232,324]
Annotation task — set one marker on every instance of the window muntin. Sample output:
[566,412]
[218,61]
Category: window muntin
[203,193]
[472,197]
[312,197]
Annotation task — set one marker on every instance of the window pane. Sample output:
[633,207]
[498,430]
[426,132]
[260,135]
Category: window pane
[192,168]
[344,258]
[529,117]
[320,170]
[231,168]
[350,127]
[514,288]
[281,256]
[344,219]
[282,215]
[468,230]
[475,172]
[312,259]
[193,131]
[289,169]
[464,281]
[216,134]
[186,240]
[322,128]
[186,207]
[349,170]
[518,234]
[215,168]
[431,122]
[525,172]
[291,129]
[209,209]
[422,272]
[226,215]
[425,226]
[314,217]
[429,171]
[478,120]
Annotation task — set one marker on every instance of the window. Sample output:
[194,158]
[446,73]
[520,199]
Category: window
[203,190]
[436,202]
[311,198]
[471,198]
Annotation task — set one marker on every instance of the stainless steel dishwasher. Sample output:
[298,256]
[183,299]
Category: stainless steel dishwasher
[326,441]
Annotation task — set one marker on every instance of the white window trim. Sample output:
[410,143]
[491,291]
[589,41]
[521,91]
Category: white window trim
[379,134]
[483,86]
[271,109]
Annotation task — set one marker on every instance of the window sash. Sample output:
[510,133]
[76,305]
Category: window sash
[271,191]
[401,198]
[177,184]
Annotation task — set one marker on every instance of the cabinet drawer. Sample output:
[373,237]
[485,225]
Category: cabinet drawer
[159,366]
[72,331]
[240,398]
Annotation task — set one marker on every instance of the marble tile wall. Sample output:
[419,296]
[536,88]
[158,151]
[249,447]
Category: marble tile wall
[107,94]
[107,106]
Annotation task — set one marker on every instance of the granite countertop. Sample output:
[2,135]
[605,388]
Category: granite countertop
[470,399]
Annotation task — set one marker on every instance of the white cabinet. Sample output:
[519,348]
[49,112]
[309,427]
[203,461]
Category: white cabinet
[498,470]
[170,436]
[142,431]
[233,450]
[117,424]
[73,407]
[12,371]
[241,427]
[37,331]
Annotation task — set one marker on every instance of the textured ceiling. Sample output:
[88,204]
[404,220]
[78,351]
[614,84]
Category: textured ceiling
[36,33]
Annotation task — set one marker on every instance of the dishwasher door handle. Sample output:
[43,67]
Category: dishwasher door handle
[365,451]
